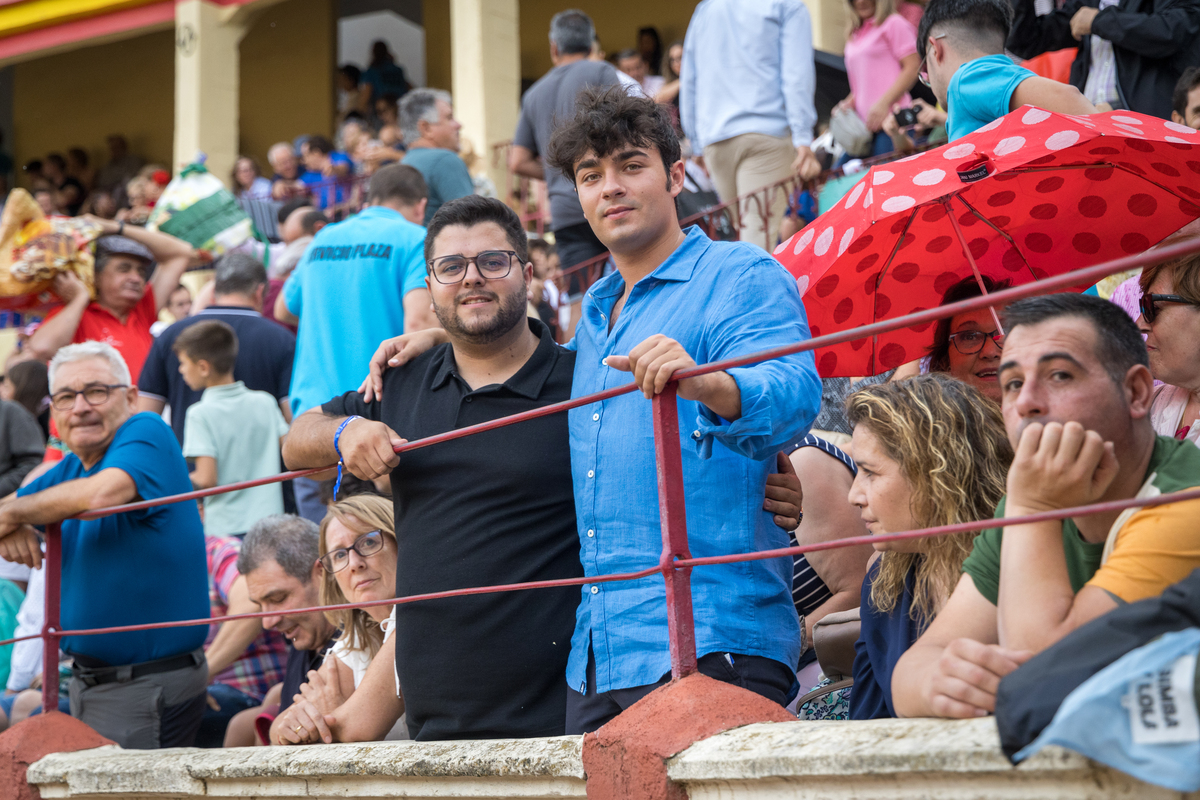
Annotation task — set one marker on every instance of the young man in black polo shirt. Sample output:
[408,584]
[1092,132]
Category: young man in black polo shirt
[487,509]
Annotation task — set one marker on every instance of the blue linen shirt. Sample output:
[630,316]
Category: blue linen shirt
[718,300]
[348,291]
[137,567]
[981,91]
[748,68]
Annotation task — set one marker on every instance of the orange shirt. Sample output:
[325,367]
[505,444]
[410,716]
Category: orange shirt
[132,338]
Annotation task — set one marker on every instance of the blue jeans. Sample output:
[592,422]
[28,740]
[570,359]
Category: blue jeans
[308,499]
[231,701]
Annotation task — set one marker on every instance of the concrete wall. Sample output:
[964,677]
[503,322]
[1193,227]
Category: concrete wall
[883,760]
[80,97]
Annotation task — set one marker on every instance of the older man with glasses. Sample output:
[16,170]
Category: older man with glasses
[144,689]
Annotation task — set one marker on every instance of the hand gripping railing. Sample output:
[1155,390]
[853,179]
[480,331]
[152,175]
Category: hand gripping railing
[675,563]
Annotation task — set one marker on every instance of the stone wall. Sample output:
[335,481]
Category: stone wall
[892,759]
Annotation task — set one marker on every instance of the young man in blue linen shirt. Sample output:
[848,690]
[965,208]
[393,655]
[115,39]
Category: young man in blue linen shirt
[676,299]
[961,44]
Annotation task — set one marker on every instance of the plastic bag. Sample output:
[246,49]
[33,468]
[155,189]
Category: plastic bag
[197,208]
[34,248]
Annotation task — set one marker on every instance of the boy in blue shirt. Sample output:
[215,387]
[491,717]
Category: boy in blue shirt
[961,44]
[233,433]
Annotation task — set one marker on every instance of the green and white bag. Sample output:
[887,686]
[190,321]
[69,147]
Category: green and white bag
[197,208]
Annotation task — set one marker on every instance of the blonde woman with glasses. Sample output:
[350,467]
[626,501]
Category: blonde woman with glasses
[358,562]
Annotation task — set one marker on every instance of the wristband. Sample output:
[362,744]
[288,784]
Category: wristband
[336,436]
[121,228]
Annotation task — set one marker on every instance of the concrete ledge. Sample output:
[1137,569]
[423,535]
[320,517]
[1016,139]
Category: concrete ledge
[883,760]
[890,760]
[534,768]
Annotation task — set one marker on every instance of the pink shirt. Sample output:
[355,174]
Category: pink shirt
[911,12]
[873,56]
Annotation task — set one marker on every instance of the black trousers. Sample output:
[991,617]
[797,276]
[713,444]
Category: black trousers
[767,677]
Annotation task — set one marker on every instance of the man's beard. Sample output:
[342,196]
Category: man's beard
[511,312]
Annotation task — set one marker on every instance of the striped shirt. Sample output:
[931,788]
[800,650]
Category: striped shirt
[1101,86]
[808,590]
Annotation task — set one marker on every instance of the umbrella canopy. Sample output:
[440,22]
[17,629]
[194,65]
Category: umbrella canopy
[1030,195]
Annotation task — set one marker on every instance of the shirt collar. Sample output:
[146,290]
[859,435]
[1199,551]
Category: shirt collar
[528,381]
[679,266]
[237,387]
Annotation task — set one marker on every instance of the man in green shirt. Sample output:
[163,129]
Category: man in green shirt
[431,135]
[1076,399]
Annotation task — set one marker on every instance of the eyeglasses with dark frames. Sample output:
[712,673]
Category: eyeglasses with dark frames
[366,546]
[922,73]
[971,342]
[1149,304]
[94,395]
[492,265]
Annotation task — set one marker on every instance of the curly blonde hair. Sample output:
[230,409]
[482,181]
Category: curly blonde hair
[953,452]
[361,513]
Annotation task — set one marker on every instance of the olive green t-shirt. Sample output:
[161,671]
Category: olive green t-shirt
[1155,547]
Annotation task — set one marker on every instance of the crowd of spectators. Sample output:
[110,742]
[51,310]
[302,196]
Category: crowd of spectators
[453,313]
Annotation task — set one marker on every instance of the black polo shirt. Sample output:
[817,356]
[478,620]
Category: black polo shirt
[264,360]
[486,509]
[295,674]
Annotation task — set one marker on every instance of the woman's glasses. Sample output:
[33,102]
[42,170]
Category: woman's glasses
[1149,304]
[366,546]
[971,342]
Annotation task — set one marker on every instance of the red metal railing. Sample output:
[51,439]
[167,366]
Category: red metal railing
[675,562]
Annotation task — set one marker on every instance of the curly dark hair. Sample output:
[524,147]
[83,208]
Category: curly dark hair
[607,119]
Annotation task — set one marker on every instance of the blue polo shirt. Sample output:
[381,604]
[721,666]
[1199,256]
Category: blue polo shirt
[980,92]
[348,291]
[445,174]
[138,567]
[719,300]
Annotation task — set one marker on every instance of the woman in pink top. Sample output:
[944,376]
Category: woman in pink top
[881,62]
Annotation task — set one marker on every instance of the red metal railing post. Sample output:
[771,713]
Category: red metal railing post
[51,626]
[681,628]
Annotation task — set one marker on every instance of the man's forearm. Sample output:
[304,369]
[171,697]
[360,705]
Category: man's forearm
[231,641]
[57,332]
[309,442]
[68,499]
[1035,597]
[909,697]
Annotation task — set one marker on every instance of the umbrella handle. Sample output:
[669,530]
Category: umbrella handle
[974,267]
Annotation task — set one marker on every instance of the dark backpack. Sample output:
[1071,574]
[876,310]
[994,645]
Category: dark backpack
[1029,697]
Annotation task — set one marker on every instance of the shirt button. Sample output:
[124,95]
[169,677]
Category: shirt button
[604,362]
[591,534]
[591,473]
[595,590]
[696,435]
[595,417]
[468,399]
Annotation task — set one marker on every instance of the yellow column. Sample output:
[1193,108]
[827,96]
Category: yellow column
[206,84]
[486,74]
[829,24]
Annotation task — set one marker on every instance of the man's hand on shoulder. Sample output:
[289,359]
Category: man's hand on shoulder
[369,448]
[1081,23]
[396,352]
[1059,466]
[964,680]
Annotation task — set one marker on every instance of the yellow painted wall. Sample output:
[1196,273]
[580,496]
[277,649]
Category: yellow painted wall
[435,16]
[80,97]
[287,75]
[617,23]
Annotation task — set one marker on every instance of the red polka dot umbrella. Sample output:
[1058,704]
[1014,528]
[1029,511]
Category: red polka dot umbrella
[1030,195]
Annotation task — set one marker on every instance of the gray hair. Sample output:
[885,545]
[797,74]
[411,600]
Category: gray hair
[417,106]
[88,350]
[238,273]
[290,541]
[276,149]
[572,31]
